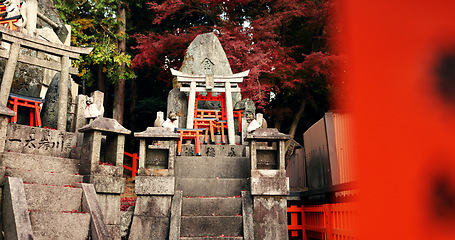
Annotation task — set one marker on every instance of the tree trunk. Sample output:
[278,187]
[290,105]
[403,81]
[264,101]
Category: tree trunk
[119,95]
[102,83]
[295,122]
[134,92]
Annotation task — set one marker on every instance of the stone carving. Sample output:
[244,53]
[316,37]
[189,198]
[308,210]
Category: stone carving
[159,119]
[178,102]
[207,66]
[92,110]
[246,105]
[172,122]
[49,111]
[32,140]
[210,152]
[254,124]
[232,153]
[188,151]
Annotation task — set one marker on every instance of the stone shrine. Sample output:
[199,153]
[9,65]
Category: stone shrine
[61,184]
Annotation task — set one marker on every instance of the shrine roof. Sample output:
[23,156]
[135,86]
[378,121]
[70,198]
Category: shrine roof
[105,125]
[156,132]
[267,134]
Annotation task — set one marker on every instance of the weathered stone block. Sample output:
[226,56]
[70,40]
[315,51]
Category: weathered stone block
[266,231]
[126,219]
[41,141]
[270,186]
[270,210]
[155,172]
[268,173]
[107,184]
[110,206]
[52,198]
[154,185]
[98,228]
[114,231]
[106,170]
[157,206]
[60,225]
[15,214]
[149,228]
[270,218]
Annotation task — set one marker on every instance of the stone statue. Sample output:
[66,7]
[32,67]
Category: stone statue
[254,124]
[15,8]
[93,110]
[172,122]
[159,119]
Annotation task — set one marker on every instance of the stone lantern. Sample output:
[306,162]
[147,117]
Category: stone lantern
[102,165]
[268,182]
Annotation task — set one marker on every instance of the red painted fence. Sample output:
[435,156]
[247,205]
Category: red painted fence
[133,168]
[325,222]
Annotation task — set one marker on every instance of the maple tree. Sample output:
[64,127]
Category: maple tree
[283,43]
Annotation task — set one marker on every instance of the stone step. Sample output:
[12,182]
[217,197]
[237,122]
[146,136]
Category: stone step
[53,198]
[57,179]
[216,187]
[211,238]
[59,225]
[230,206]
[42,163]
[208,167]
[200,226]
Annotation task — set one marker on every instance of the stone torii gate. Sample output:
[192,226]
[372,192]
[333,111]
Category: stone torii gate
[210,80]
[20,41]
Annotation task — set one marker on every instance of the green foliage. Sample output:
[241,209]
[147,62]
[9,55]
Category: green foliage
[94,23]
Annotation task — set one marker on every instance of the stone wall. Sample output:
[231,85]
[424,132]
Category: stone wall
[41,141]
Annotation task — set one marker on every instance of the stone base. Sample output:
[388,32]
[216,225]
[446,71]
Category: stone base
[151,218]
[110,206]
[154,185]
[270,218]
[275,186]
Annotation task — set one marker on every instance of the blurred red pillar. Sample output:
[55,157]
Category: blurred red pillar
[401,64]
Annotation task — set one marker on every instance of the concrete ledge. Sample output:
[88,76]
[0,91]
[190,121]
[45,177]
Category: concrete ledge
[274,186]
[107,184]
[15,214]
[148,185]
[98,228]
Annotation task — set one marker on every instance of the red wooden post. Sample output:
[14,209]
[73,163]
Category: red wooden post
[14,119]
[135,159]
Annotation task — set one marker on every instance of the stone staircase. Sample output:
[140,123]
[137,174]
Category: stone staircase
[53,200]
[212,186]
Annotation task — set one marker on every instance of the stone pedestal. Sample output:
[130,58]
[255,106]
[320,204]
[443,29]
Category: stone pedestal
[155,184]
[269,184]
[102,165]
